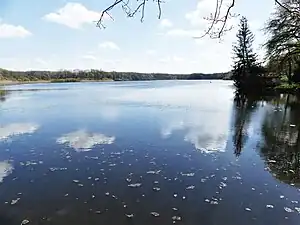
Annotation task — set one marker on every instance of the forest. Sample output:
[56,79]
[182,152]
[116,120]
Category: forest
[99,75]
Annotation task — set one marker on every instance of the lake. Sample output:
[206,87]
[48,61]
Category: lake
[153,152]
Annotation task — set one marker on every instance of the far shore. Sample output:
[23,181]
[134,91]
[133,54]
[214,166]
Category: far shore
[15,82]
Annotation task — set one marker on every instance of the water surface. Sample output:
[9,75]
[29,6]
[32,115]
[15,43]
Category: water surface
[158,152]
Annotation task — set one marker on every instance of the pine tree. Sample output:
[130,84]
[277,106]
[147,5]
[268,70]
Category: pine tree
[246,67]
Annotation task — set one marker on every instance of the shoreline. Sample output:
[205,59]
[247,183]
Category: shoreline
[12,82]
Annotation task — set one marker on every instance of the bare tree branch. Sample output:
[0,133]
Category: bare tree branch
[141,5]
[218,20]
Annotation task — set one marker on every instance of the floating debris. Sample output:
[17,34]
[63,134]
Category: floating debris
[203,180]
[297,209]
[128,180]
[176,218]
[253,189]
[155,214]
[135,185]
[53,169]
[190,187]
[248,209]
[289,210]
[224,178]
[270,206]
[188,174]
[25,222]
[175,195]
[154,172]
[183,197]
[129,215]
[175,209]
[214,202]
[281,196]
[207,200]
[76,181]
[292,125]
[113,196]
[294,202]
[222,185]
[107,193]
[13,202]
[156,189]
[94,157]
[98,212]
[272,161]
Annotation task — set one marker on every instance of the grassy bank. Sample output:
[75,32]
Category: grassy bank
[286,88]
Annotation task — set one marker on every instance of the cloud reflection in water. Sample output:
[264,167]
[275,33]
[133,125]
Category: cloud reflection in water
[15,129]
[5,169]
[82,140]
[204,115]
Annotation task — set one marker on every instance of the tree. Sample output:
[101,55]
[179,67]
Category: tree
[246,67]
[283,45]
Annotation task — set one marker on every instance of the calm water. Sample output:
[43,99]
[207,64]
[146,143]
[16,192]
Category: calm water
[146,153]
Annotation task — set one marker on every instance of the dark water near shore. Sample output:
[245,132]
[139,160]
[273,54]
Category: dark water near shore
[160,152]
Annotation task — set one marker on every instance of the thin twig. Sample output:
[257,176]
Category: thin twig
[130,13]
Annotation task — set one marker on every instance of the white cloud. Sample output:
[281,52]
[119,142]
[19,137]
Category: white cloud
[89,57]
[178,59]
[203,9]
[109,45]
[84,141]
[183,33]
[165,23]
[13,31]
[41,61]
[73,15]
[15,129]
[196,17]
[171,59]
[150,52]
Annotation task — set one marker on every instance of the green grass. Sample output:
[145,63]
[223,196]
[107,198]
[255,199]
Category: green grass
[288,88]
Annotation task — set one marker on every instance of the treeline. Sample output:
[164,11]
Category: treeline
[282,59]
[78,75]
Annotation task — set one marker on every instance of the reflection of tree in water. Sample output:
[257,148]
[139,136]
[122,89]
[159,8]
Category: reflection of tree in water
[244,105]
[281,131]
[3,95]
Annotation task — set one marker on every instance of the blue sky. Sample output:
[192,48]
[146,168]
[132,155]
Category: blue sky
[60,34]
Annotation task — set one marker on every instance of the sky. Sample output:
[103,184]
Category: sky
[61,34]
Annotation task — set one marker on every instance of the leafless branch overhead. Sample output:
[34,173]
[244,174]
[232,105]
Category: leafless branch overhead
[218,20]
[130,12]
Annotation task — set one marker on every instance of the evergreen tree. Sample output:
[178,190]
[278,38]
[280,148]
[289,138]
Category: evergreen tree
[246,68]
